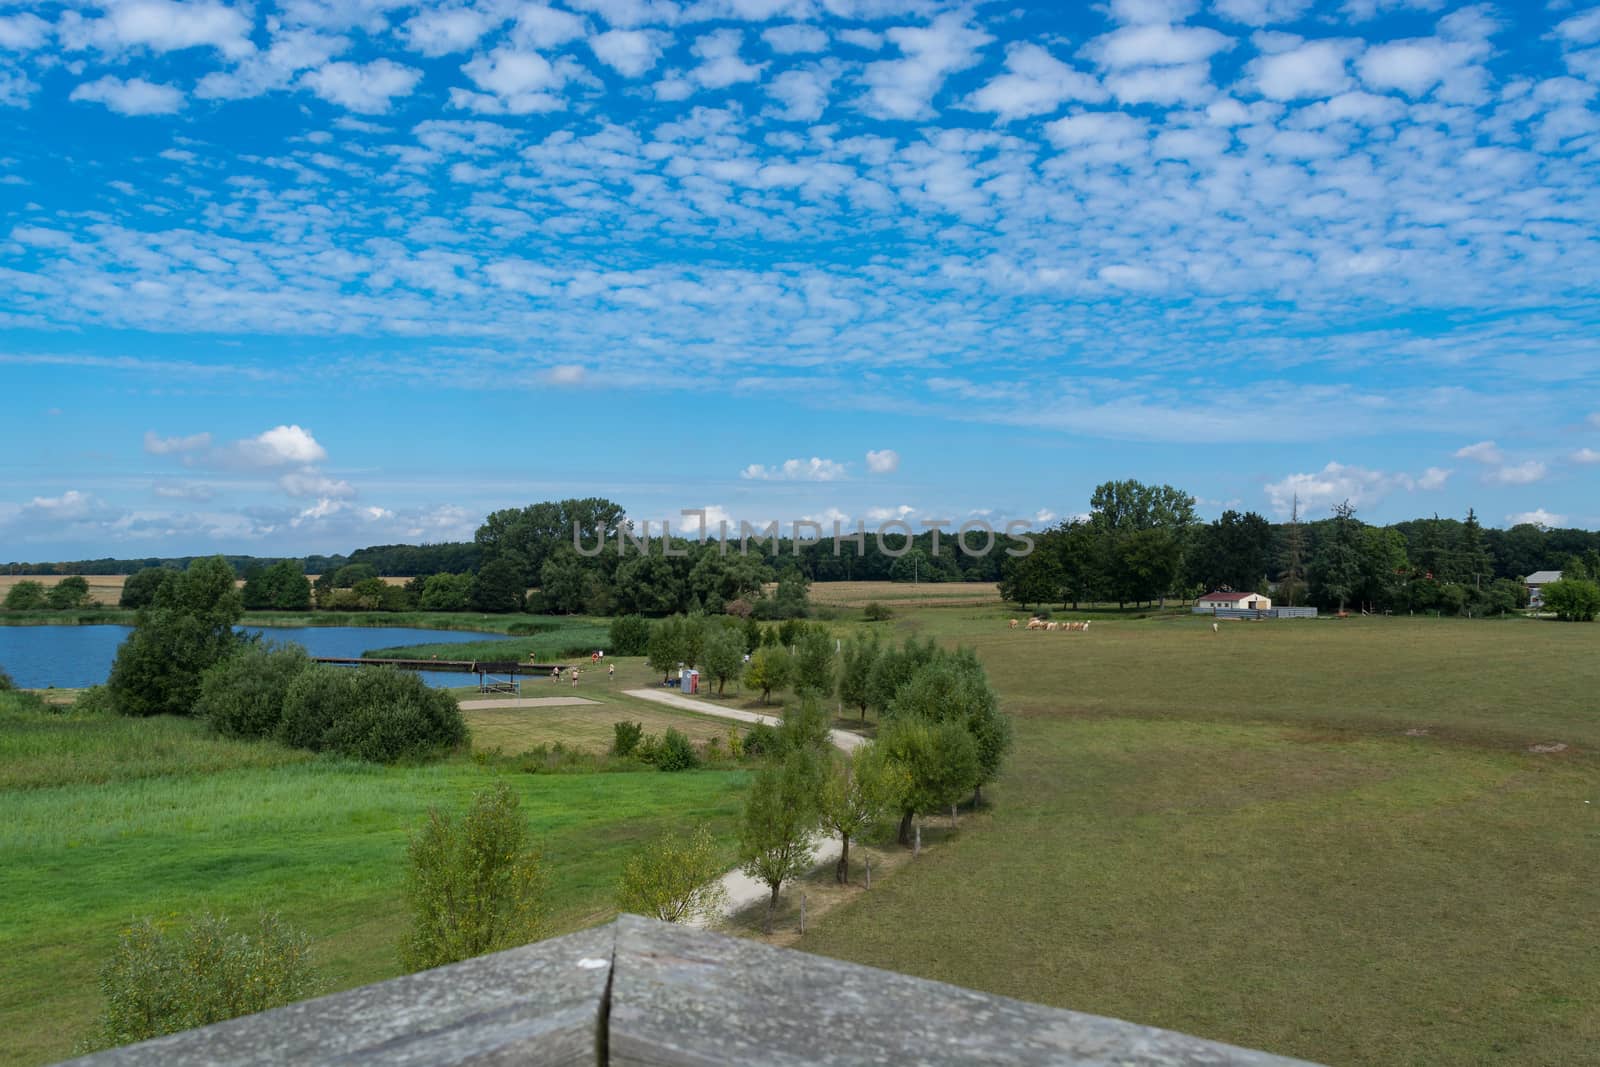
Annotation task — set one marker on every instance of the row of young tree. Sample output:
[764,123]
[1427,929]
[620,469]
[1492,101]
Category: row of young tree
[1145,544]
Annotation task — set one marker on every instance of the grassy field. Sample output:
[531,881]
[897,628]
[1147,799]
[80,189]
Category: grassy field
[897,594]
[108,820]
[1331,839]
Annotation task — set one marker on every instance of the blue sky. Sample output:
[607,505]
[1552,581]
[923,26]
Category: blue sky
[295,276]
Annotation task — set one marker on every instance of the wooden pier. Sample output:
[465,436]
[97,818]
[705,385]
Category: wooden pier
[488,672]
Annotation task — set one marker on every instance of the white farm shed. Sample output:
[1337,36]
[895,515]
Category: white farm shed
[1212,602]
[1536,583]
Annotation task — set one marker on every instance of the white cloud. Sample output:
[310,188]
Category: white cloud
[628,52]
[310,482]
[900,513]
[814,469]
[626,14]
[156,445]
[883,461]
[1537,517]
[1482,452]
[803,93]
[1140,11]
[1414,66]
[1163,85]
[1261,12]
[795,39]
[1518,474]
[160,26]
[1313,69]
[23,33]
[1337,483]
[69,506]
[440,31]
[183,491]
[280,446]
[566,374]
[1156,45]
[132,97]
[1594,420]
[720,62]
[368,88]
[16,89]
[1581,29]
[290,53]
[1585,455]
[1037,84]
[519,82]
[904,88]
[539,26]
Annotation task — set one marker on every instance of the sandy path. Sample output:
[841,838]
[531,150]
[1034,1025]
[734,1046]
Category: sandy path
[744,891]
[843,740]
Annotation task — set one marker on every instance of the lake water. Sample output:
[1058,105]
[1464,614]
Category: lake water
[71,657]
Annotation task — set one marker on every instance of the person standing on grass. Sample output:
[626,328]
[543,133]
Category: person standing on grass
[555,674]
[611,672]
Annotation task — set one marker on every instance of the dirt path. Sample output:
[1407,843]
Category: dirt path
[524,702]
[843,740]
[743,890]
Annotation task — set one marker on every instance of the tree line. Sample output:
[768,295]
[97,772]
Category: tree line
[1142,544]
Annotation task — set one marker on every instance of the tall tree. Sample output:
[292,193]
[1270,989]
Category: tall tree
[1337,568]
[1292,577]
[780,821]
[857,793]
[187,628]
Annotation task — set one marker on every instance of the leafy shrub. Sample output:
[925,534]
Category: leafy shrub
[630,635]
[627,736]
[139,591]
[243,695]
[649,750]
[376,714]
[70,592]
[159,983]
[876,612]
[674,880]
[475,885]
[763,740]
[1573,599]
[5,680]
[677,753]
[26,596]
[96,700]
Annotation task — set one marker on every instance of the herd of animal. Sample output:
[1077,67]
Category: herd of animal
[1042,624]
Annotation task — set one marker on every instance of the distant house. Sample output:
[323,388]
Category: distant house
[1536,583]
[1231,601]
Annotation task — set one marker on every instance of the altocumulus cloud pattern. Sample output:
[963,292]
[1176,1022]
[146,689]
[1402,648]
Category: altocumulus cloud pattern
[1088,218]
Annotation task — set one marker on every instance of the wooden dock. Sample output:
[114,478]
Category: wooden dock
[454,666]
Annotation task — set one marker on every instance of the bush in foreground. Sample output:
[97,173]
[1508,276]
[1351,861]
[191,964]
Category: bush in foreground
[243,695]
[473,886]
[5,681]
[675,879]
[627,736]
[187,628]
[158,982]
[377,714]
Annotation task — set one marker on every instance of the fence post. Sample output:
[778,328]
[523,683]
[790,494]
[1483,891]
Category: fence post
[869,872]
[802,913]
[916,849]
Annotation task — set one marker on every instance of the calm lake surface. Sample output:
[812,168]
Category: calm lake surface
[72,657]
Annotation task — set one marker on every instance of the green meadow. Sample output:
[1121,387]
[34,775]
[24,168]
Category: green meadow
[1330,839]
[109,820]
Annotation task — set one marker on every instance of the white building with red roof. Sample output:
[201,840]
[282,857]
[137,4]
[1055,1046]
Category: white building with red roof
[1232,602]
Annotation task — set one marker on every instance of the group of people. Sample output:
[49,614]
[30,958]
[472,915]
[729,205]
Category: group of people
[572,672]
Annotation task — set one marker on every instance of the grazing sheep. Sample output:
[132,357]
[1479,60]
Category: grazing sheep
[1052,626]
[1035,624]
[1013,624]
[1213,627]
